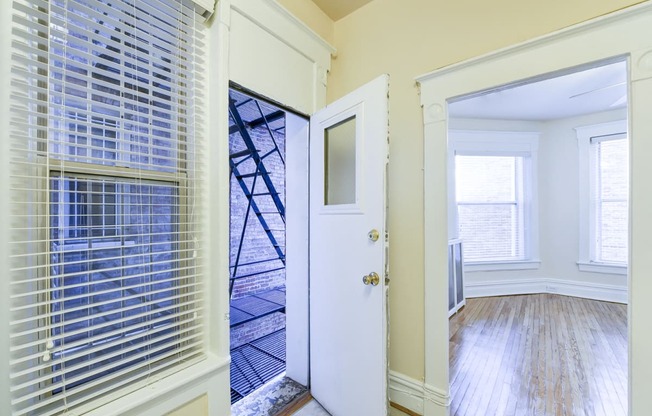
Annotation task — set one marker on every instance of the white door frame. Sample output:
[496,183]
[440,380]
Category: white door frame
[264,48]
[626,33]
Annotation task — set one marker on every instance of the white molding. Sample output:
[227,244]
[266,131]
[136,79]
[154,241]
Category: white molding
[609,38]
[304,27]
[488,141]
[586,290]
[5,206]
[171,392]
[284,26]
[412,394]
[406,391]
[293,61]
[606,268]
[541,41]
[587,165]
[504,265]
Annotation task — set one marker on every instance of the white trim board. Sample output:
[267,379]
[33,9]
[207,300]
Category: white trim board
[412,394]
[586,290]
[624,34]
[291,62]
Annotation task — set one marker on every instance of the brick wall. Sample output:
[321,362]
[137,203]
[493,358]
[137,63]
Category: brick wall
[253,330]
[256,245]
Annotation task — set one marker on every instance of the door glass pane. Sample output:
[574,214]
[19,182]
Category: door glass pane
[339,163]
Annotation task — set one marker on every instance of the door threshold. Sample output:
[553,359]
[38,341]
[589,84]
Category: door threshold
[296,404]
[271,398]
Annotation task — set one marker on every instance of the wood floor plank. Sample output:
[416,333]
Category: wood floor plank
[540,354]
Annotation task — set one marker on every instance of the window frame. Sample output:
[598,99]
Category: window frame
[500,143]
[587,184]
[177,181]
[49,167]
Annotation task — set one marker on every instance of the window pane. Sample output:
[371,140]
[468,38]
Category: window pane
[613,232]
[490,207]
[491,232]
[611,202]
[339,163]
[113,273]
[485,178]
[614,169]
[113,102]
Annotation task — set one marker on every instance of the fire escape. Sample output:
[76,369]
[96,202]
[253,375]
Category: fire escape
[257,269]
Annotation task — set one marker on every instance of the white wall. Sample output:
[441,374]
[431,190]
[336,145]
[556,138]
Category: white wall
[558,217]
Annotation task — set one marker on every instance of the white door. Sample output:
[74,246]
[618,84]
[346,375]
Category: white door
[348,289]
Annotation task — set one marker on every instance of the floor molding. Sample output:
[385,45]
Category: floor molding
[403,409]
[595,291]
[410,394]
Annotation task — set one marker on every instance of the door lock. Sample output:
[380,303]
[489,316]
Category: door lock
[371,279]
[373,235]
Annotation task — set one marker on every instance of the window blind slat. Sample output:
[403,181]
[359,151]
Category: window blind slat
[123,379]
[100,358]
[106,289]
[91,385]
[31,346]
[133,288]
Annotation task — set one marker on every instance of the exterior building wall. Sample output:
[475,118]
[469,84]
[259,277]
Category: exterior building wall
[256,246]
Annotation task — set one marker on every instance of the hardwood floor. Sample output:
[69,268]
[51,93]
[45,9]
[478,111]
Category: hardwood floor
[538,355]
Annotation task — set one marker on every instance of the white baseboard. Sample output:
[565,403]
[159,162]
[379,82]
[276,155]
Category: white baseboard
[609,293]
[411,393]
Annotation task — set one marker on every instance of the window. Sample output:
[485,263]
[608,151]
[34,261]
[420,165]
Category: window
[107,289]
[604,190]
[495,196]
[490,207]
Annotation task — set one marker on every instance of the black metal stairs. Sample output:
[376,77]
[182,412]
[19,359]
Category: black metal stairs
[259,360]
[250,192]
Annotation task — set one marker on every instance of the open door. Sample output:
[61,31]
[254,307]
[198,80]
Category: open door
[348,249]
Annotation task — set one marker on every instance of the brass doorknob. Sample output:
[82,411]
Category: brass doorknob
[371,279]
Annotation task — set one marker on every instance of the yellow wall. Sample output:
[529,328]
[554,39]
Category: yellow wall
[312,16]
[405,39]
[197,407]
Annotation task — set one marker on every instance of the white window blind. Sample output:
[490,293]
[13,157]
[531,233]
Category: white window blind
[610,198]
[489,193]
[106,288]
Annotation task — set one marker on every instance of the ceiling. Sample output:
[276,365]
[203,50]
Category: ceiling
[337,9]
[584,92]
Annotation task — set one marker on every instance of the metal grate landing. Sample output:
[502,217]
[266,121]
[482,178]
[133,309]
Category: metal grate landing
[255,363]
[256,306]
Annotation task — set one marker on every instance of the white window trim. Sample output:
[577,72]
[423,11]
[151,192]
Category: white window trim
[500,143]
[586,181]
[486,266]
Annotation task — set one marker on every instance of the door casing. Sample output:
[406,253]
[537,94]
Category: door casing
[626,34]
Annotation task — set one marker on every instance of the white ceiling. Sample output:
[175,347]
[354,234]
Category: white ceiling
[337,9]
[588,91]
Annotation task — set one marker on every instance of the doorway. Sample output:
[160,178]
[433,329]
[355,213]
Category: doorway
[523,63]
[262,240]
[539,182]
